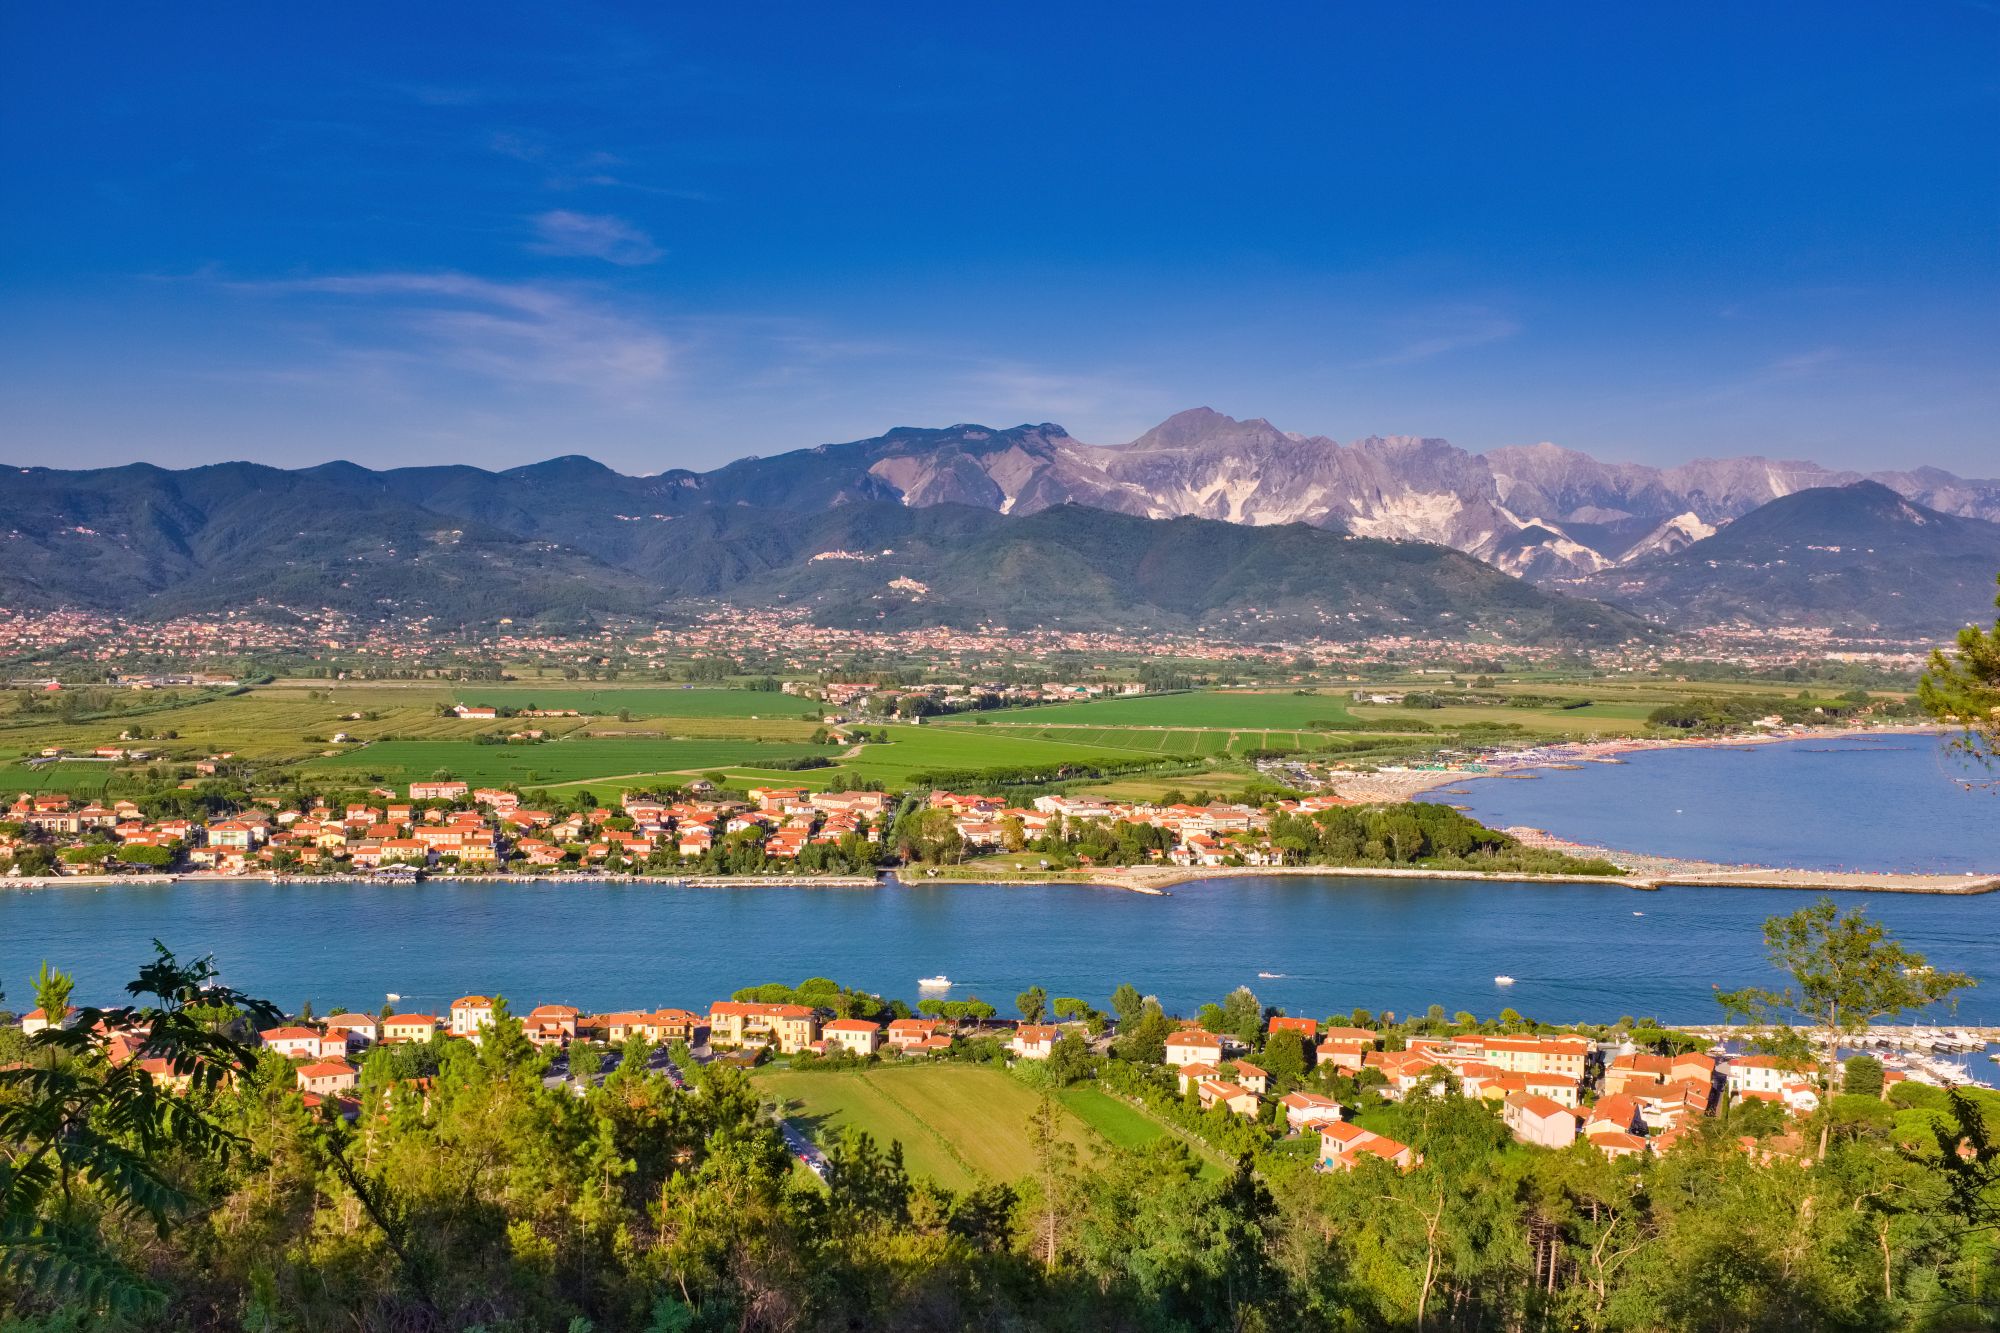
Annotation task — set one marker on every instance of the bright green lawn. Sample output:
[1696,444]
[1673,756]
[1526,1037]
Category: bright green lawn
[958,1123]
[1118,1121]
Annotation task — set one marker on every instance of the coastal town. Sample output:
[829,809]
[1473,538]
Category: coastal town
[1295,1079]
[449,827]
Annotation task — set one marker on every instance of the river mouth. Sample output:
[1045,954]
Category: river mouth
[1576,951]
[1903,803]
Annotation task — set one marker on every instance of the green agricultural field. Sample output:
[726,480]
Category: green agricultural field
[1227,709]
[958,1123]
[913,750]
[640,700]
[918,749]
[733,728]
[1171,744]
[77,779]
[551,763]
[260,724]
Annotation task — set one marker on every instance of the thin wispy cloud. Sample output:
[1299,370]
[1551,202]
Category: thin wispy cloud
[566,170]
[1445,334]
[521,145]
[563,232]
[1798,365]
[605,180]
[512,333]
[1015,389]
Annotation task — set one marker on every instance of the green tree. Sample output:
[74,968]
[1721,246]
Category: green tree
[1846,974]
[1861,1076]
[1013,836]
[928,836]
[1033,1004]
[83,1139]
[1242,1016]
[1962,687]
[1127,1003]
[1070,1060]
[1054,1204]
[1284,1058]
[1144,1039]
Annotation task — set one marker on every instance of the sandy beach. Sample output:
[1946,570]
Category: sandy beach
[1403,784]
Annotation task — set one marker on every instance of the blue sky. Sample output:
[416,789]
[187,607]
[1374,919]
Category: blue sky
[671,235]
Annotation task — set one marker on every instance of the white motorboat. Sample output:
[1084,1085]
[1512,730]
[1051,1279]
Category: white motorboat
[1503,980]
[938,982]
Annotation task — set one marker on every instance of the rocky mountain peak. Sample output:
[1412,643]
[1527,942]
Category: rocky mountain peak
[1196,427]
[1541,510]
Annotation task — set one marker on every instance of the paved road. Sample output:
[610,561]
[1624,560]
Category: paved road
[803,1148]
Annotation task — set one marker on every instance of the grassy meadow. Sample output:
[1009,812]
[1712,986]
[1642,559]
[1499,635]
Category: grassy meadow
[641,700]
[958,1123]
[669,732]
[550,763]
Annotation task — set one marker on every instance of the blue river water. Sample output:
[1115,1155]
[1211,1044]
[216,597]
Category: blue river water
[1895,802]
[1577,951]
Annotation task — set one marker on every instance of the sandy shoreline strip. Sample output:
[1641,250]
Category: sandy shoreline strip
[1398,784]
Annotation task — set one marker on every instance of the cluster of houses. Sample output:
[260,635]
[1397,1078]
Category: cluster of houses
[450,823]
[881,698]
[1210,835]
[1550,1091]
[326,1055]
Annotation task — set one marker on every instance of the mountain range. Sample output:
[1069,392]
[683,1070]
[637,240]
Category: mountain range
[1859,559]
[1203,521]
[1538,510]
[569,538]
